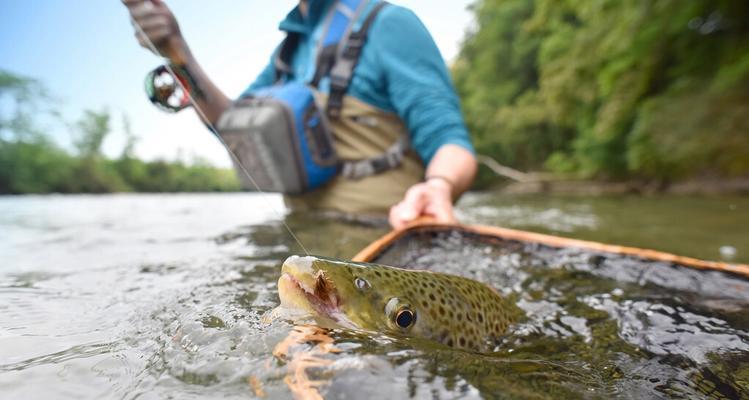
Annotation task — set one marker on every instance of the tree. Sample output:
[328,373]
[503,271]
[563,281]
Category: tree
[610,88]
[21,98]
[91,130]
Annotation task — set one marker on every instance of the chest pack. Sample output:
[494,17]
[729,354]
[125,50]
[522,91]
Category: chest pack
[282,135]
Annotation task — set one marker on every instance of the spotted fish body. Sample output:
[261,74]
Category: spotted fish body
[456,311]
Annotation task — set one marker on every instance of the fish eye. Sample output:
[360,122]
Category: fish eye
[362,284]
[405,318]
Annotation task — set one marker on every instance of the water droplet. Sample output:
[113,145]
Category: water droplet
[727,252]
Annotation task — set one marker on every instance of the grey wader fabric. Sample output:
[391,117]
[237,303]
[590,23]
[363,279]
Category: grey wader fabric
[363,131]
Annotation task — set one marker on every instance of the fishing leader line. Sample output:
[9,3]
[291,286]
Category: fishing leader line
[212,128]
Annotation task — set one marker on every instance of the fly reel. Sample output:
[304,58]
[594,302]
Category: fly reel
[169,88]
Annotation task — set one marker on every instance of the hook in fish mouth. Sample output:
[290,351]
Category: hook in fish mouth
[319,291]
[306,287]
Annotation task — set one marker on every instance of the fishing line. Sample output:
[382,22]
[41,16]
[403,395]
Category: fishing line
[213,129]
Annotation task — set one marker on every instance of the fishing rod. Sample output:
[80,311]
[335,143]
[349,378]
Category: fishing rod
[188,95]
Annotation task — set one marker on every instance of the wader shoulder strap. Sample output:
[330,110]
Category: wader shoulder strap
[282,59]
[337,27]
[338,52]
[345,62]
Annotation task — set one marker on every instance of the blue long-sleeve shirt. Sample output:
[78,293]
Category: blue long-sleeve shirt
[400,70]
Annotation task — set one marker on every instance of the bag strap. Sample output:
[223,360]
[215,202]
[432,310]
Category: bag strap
[346,61]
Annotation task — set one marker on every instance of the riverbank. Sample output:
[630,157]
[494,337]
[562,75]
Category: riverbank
[738,186]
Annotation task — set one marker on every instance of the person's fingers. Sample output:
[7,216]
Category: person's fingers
[441,205]
[155,27]
[140,38]
[143,41]
[158,35]
[416,196]
[155,23]
[161,6]
[393,218]
[414,202]
[397,216]
[145,10]
[442,211]
[411,207]
[152,39]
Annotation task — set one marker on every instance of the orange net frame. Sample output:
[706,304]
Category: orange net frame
[371,252]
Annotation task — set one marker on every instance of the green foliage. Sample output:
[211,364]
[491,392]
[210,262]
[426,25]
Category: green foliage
[35,166]
[19,104]
[610,88]
[39,166]
[31,163]
[92,129]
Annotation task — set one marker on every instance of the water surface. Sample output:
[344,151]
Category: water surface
[156,296]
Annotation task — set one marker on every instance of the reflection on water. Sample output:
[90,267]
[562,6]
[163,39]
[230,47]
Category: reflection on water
[711,228]
[160,296]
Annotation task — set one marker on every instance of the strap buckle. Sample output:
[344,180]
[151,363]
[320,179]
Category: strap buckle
[354,45]
[338,83]
[338,86]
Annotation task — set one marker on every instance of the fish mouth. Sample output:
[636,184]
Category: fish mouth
[302,287]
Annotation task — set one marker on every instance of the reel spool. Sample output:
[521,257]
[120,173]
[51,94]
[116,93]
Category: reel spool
[165,92]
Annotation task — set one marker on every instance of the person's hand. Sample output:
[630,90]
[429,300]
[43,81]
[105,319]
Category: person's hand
[432,198]
[154,22]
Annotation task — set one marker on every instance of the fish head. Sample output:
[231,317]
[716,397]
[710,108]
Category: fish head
[359,296]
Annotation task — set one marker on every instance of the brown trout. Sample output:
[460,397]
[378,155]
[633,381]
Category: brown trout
[456,311]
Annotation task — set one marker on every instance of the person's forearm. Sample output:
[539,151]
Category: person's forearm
[156,29]
[454,164]
[209,99]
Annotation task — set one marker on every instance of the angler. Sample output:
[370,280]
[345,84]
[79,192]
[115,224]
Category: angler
[355,112]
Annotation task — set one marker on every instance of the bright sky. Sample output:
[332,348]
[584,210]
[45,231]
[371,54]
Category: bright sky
[85,54]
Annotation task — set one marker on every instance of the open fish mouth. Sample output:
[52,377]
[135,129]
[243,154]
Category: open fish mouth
[303,287]
[321,295]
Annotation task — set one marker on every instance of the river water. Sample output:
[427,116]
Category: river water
[163,296]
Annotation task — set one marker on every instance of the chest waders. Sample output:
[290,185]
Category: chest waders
[324,152]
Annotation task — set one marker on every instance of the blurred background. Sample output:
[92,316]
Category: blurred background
[652,92]
[73,111]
